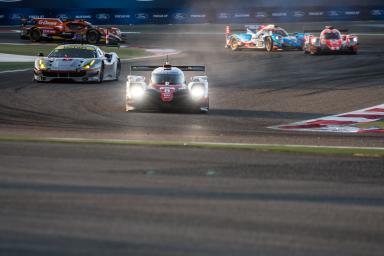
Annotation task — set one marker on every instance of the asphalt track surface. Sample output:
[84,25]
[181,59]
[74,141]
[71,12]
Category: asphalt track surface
[249,91]
[75,199]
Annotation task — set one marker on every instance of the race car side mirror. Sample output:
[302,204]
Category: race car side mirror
[40,54]
[108,56]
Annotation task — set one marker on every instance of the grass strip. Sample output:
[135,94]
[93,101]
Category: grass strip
[375,124]
[302,149]
[7,66]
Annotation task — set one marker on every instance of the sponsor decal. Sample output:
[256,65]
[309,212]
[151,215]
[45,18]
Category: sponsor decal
[122,16]
[47,23]
[315,13]
[334,13]
[48,31]
[63,16]
[261,15]
[279,14]
[224,15]
[298,14]
[83,16]
[141,16]
[368,120]
[352,13]
[198,15]
[377,12]
[102,16]
[241,15]
[179,16]
[34,16]
[160,16]
[15,16]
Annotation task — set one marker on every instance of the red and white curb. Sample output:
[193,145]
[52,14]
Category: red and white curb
[342,123]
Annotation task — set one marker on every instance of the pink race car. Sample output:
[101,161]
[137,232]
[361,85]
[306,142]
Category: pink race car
[331,41]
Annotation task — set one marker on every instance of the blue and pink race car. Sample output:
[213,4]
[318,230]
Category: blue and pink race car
[268,37]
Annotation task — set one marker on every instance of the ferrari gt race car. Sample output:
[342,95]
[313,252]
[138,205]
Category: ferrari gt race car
[331,41]
[167,89]
[69,30]
[268,37]
[77,62]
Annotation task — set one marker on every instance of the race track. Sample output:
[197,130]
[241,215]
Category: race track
[128,200]
[249,91]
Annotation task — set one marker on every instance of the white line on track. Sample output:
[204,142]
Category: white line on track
[14,71]
[176,143]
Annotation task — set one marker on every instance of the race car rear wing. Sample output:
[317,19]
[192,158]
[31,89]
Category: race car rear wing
[183,68]
[319,30]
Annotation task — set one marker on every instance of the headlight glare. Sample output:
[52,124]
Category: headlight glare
[136,92]
[89,65]
[197,92]
[42,64]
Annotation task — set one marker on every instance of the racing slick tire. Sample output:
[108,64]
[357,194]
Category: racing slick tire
[101,74]
[203,110]
[93,36]
[268,44]
[313,51]
[353,51]
[118,70]
[35,34]
[234,45]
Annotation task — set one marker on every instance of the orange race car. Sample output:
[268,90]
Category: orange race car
[41,29]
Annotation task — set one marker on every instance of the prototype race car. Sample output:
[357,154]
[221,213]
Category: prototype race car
[69,30]
[77,62]
[167,89]
[268,37]
[331,41]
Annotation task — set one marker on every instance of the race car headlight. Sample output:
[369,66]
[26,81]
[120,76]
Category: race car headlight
[89,65]
[41,65]
[197,92]
[136,92]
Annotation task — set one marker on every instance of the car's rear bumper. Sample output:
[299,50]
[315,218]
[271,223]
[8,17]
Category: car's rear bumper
[327,50]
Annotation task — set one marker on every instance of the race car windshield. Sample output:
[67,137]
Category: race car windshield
[332,36]
[73,53]
[171,78]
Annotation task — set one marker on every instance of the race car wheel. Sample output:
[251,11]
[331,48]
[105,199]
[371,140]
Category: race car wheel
[101,74]
[93,37]
[313,51]
[35,35]
[353,51]
[268,44]
[234,44]
[118,70]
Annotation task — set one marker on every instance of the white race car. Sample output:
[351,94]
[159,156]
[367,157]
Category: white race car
[167,89]
[77,62]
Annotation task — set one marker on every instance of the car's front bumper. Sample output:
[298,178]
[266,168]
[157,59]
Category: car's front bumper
[181,101]
[77,76]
